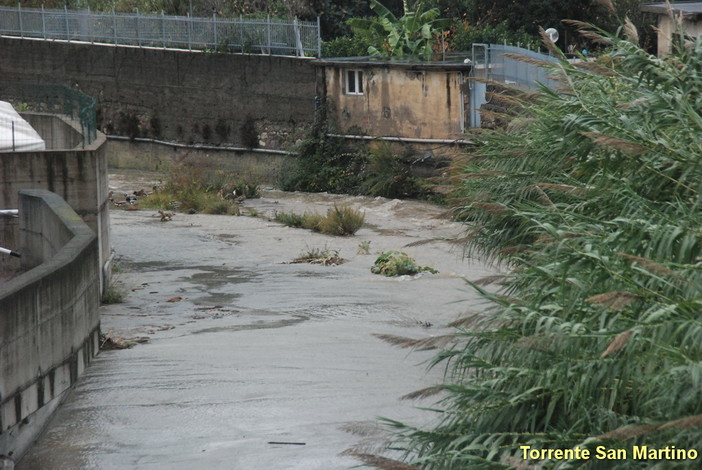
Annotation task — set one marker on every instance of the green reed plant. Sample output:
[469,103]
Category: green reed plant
[591,198]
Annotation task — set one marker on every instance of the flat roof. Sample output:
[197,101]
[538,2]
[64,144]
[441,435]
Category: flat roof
[453,61]
[687,9]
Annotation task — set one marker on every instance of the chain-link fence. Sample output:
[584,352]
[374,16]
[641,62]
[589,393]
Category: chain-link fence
[258,36]
[54,99]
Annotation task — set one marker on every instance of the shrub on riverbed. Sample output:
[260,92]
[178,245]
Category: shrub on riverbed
[328,163]
[196,185]
[398,263]
[340,221]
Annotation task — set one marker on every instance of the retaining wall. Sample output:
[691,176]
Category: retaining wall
[185,96]
[49,322]
[76,174]
[253,166]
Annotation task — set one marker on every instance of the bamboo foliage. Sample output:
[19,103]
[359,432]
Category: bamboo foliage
[596,337]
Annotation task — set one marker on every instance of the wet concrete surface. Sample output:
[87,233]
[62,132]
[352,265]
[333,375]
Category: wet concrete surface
[246,349]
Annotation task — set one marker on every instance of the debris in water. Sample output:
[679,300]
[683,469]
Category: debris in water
[324,257]
[109,342]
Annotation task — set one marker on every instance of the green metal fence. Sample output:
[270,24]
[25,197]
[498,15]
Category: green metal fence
[55,99]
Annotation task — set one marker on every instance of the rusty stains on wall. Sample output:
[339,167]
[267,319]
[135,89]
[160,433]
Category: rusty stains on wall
[398,101]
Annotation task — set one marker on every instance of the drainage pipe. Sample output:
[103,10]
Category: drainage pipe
[9,252]
[200,146]
[410,140]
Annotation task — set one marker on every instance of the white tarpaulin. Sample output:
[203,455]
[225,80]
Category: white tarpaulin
[15,133]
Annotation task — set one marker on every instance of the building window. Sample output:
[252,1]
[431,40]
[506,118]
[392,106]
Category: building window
[354,82]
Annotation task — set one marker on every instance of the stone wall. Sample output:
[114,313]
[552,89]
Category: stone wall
[49,322]
[174,95]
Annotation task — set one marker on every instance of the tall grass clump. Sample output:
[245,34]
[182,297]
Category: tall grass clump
[591,196]
[197,185]
[340,220]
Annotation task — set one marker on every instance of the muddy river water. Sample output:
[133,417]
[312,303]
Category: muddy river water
[253,362]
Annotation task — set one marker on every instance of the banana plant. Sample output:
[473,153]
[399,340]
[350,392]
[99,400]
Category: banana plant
[411,34]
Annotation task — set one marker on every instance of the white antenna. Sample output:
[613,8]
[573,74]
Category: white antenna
[552,34]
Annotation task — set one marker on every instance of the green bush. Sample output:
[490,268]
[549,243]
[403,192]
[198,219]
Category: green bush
[386,176]
[466,35]
[325,164]
[398,263]
[247,189]
[345,46]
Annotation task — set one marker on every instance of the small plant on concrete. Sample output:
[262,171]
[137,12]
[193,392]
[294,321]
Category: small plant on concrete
[247,189]
[398,263]
[364,247]
[113,295]
[289,219]
[114,292]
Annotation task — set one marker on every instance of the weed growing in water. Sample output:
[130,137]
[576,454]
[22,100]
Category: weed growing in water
[398,263]
[364,247]
[114,293]
[339,221]
[194,185]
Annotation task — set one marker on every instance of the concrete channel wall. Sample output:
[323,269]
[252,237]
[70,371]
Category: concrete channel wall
[49,323]
[252,165]
[75,172]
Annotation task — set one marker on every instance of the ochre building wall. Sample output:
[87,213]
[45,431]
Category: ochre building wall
[425,104]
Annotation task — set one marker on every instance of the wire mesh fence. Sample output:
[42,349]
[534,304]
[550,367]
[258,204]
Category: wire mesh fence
[47,98]
[262,36]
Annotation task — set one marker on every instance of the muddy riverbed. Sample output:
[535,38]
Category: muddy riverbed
[251,362]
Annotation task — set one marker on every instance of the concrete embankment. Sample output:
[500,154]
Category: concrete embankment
[48,317]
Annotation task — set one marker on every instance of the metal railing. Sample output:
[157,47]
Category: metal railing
[54,99]
[262,36]
[493,62]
